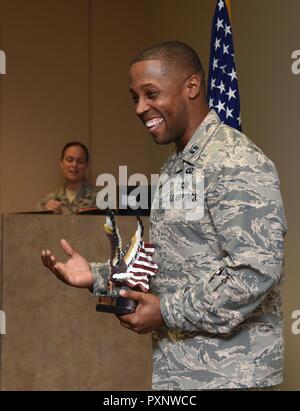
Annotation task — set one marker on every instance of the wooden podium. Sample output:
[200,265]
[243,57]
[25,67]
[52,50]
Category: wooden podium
[55,339]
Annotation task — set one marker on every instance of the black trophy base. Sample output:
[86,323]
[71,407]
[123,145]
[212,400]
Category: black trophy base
[116,305]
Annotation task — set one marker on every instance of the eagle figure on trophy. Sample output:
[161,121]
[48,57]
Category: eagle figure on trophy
[131,267]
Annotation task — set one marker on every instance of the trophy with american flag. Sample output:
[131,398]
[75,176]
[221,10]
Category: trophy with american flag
[129,268]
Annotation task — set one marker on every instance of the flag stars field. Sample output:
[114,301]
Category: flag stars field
[223,91]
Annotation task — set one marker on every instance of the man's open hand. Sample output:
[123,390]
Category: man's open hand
[75,271]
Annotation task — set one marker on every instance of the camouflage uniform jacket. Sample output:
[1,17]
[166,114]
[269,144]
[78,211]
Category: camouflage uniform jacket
[86,197]
[219,279]
[219,275]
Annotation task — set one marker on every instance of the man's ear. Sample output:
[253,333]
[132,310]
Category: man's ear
[194,85]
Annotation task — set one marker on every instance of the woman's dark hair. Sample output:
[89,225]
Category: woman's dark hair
[75,143]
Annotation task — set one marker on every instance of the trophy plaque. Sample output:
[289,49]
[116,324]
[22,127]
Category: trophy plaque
[130,268]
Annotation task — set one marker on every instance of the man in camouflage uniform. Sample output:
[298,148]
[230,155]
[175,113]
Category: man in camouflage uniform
[220,276]
[214,308]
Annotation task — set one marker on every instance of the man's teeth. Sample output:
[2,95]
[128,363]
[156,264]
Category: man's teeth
[153,122]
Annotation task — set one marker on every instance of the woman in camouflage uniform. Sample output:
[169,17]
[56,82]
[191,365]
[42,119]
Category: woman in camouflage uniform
[76,193]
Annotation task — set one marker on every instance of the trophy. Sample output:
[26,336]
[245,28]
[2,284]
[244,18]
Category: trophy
[130,268]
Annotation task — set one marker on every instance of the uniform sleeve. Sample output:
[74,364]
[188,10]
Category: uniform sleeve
[100,272]
[94,197]
[42,203]
[89,198]
[246,210]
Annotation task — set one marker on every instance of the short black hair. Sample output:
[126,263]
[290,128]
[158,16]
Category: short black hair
[76,143]
[174,53]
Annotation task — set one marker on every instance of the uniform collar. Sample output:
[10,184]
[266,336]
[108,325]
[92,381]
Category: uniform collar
[198,141]
[82,189]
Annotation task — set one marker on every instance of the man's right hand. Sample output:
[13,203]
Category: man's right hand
[55,206]
[75,271]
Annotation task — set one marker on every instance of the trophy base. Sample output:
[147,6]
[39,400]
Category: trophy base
[116,305]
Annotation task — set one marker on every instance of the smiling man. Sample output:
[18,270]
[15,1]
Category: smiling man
[171,102]
[214,309]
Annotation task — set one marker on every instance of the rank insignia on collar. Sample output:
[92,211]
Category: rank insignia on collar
[194,149]
[189,170]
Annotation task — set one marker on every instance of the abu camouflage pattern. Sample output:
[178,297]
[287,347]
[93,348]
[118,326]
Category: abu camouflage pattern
[219,277]
[85,198]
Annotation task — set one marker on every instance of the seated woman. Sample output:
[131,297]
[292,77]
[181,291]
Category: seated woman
[76,193]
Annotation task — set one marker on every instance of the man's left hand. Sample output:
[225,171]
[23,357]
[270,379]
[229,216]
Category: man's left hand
[147,316]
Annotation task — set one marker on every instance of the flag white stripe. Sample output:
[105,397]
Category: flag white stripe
[141,270]
[131,281]
[142,254]
[146,264]
[147,250]
[144,267]
[139,278]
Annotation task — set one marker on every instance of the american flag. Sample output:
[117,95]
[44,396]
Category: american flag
[140,270]
[134,265]
[223,91]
